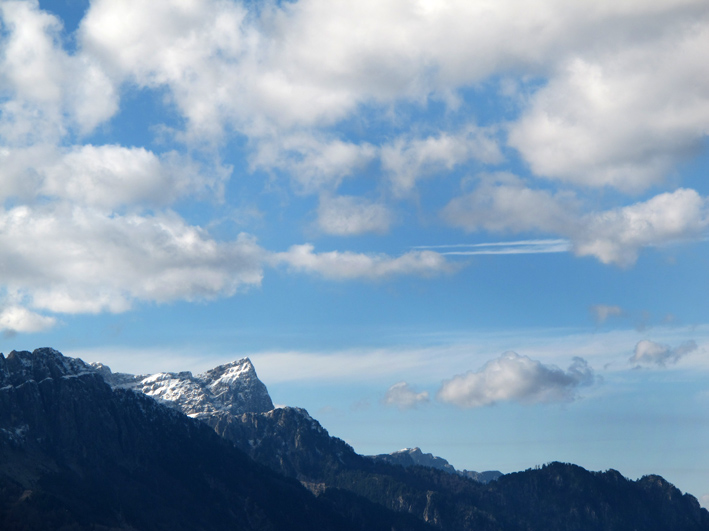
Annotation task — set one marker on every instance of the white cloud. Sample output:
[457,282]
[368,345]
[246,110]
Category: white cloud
[19,319]
[348,216]
[602,312]
[626,91]
[78,260]
[512,377]
[502,203]
[108,176]
[113,176]
[704,501]
[314,164]
[282,75]
[291,64]
[403,396]
[651,353]
[71,259]
[616,236]
[194,48]
[49,90]
[337,265]
[408,160]
[621,118]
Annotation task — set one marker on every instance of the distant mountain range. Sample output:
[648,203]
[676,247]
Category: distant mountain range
[84,448]
[415,457]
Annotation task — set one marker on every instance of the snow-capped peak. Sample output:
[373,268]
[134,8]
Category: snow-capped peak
[232,387]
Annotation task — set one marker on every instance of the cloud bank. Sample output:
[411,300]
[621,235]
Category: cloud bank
[594,107]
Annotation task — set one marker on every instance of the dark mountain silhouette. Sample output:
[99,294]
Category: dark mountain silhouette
[77,454]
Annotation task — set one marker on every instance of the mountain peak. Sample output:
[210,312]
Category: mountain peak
[38,365]
[232,387]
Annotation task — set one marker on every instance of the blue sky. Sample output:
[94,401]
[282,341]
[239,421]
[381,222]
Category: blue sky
[478,228]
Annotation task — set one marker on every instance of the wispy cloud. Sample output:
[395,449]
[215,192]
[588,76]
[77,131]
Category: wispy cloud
[514,247]
[403,396]
[601,312]
[651,353]
[420,358]
[347,265]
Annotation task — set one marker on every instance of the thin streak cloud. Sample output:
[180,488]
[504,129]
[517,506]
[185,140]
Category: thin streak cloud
[516,247]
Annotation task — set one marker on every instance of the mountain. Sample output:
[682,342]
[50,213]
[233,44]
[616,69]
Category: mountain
[415,457]
[556,496]
[76,454]
[232,388]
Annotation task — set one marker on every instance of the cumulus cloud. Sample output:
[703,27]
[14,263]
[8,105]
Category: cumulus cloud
[407,160]
[601,312]
[108,176]
[78,233]
[313,163]
[403,396]
[621,118]
[651,353]
[616,236]
[349,216]
[337,265]
[515,378]
[616,111]
[79,260]
[503,203]
[287,67]
[300,68]
[18,319]
[46,89]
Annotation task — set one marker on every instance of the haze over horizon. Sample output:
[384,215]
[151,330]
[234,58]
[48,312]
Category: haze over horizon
[479,228]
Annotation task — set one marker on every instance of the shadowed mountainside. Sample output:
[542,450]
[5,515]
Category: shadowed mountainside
[77,454]
[557,496]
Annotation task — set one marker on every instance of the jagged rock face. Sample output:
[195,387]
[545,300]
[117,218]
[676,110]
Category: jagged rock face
[76,454]
[290,441]
[43,363]
[232,388]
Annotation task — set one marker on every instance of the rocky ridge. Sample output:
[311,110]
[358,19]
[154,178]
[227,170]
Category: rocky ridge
[231,399]
[415,457]
[76,454]
[232,388]
[80,455]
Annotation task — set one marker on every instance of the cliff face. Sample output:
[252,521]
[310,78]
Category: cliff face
[233,388]
[74,452]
